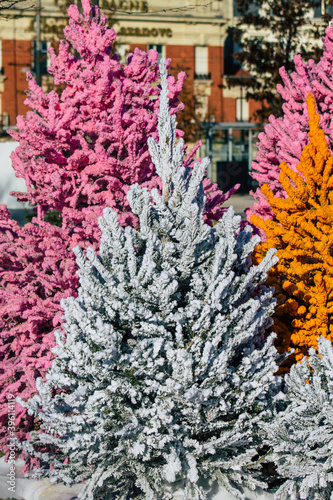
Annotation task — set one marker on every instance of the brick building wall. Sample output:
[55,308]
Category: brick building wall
[16,59]
[220,105]
[182,59]
[229,110]
[253,107]
[141,46]
[215,68]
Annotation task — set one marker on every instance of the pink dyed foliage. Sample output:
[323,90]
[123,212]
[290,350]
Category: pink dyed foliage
[284,138]
[81,152]
[78,153]
[37,269]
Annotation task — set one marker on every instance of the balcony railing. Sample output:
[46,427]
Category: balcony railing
[202,76]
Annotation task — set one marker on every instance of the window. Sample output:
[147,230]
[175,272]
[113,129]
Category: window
[159,50]
[44,63]
[242,110]
[201,63]
[231,47]
[236,11]
[317,7]
[253,9]
[123,51]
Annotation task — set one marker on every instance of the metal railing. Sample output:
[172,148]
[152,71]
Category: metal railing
[202,76]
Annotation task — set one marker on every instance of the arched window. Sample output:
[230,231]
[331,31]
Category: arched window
[231,65]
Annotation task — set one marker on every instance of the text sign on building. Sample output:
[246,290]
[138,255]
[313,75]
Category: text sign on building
[147,32]
[128,5]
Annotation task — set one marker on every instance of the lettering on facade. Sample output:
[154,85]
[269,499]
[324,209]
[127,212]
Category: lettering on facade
[147,32]
[128,5]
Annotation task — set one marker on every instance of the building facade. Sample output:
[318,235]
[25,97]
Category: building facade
[193,33]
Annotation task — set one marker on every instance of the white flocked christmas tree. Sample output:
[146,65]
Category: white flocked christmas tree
[301,436]
[164,373]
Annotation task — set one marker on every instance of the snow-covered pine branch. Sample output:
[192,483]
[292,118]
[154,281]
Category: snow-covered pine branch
[164,374]
[302,435]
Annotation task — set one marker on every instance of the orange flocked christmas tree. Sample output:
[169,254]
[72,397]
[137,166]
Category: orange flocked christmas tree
[303,236]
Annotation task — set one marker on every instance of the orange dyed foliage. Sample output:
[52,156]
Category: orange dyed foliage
[303,237]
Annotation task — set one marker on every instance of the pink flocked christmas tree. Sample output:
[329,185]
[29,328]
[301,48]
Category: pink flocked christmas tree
[37,270]
[284,138]
[78,153]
